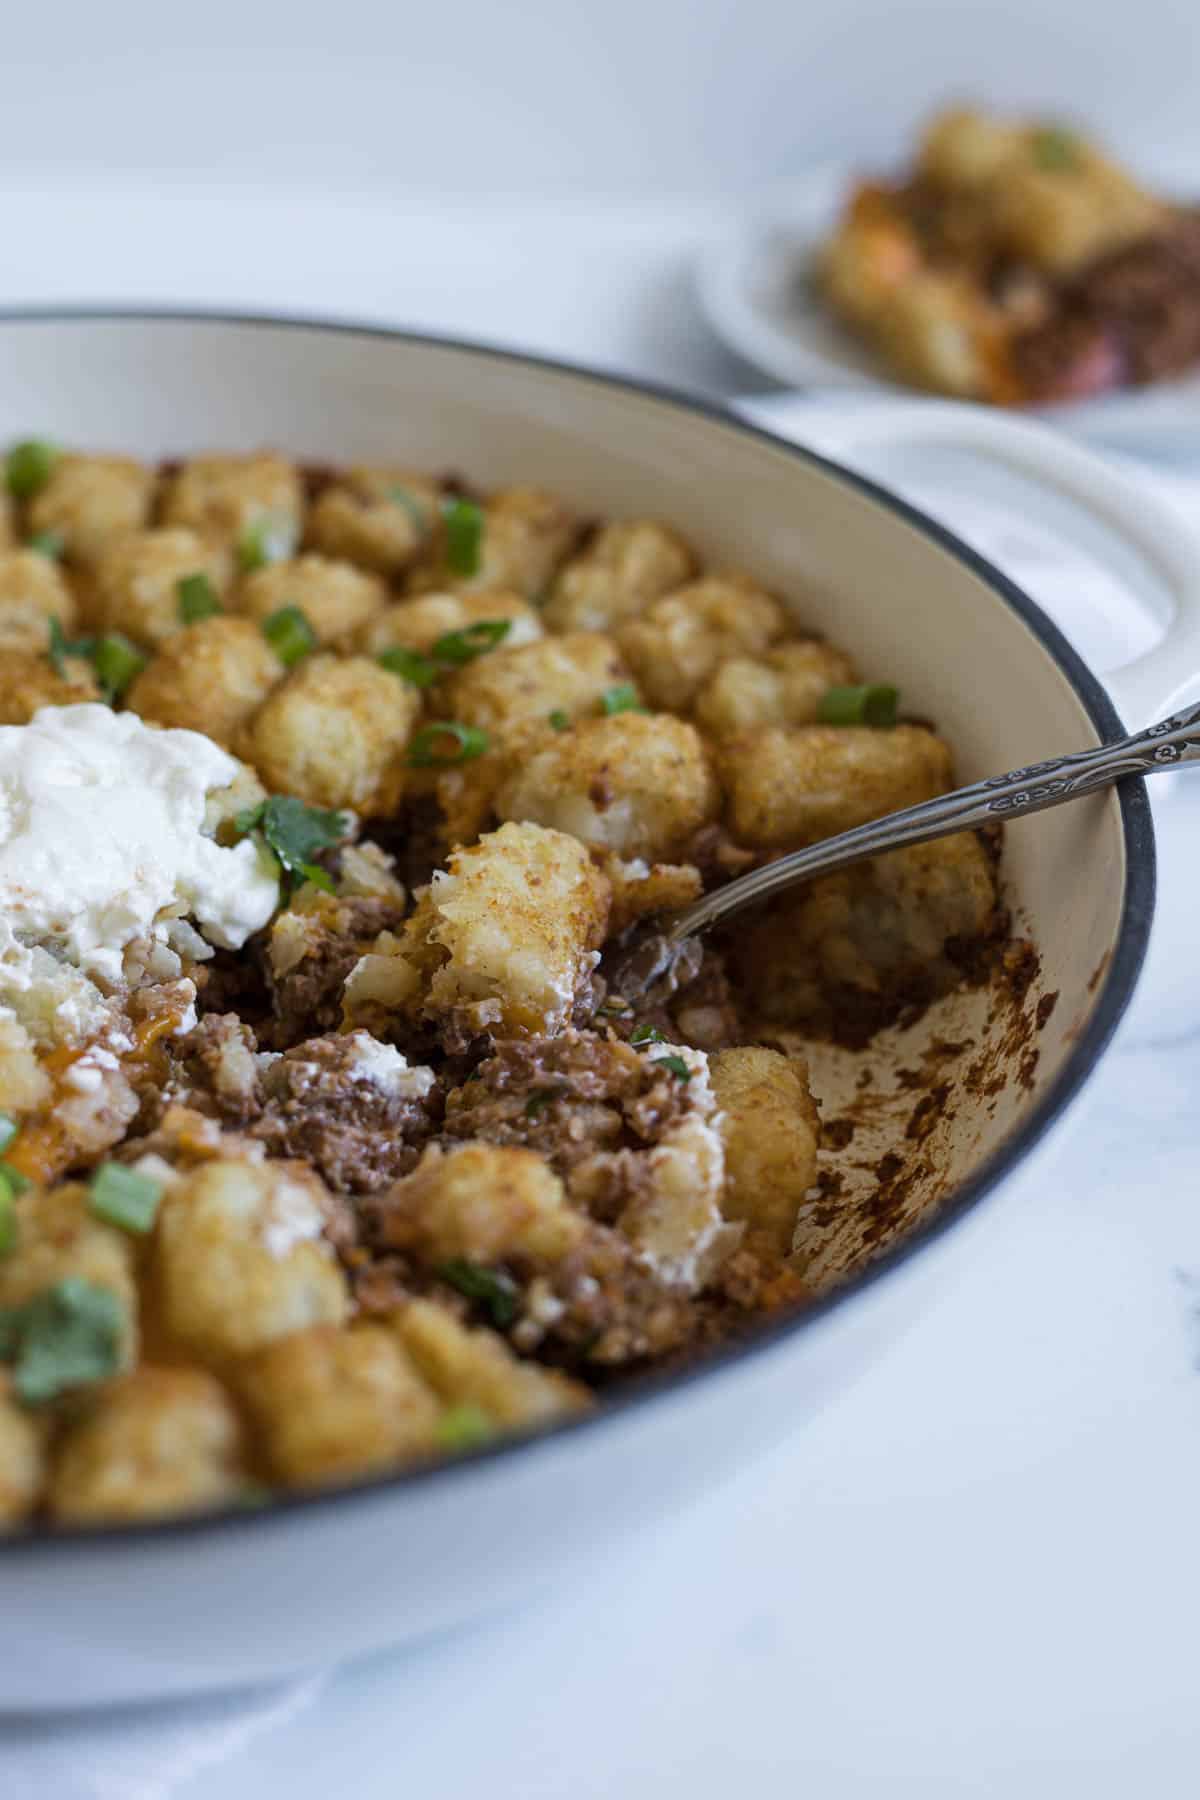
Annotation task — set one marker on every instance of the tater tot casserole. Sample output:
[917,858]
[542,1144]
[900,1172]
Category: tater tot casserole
[326,1145]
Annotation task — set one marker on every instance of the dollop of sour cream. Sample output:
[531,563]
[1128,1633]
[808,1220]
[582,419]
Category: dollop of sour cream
[101,843]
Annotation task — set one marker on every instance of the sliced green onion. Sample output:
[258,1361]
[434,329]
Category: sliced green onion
[463,521]
[675,1064]
[1055,148]
[559,720]
[410,665]
[29,467]
[290,635]
[647,1034]
[463,1427]
[197,598]
[124,1197]
[870,705]
[48,543]
[497,1291]
[624,698]
[8,1130]
[67,1336]
[458,647]
[269,539]
[418,515]
[469,741]
[117,662]
[60,646]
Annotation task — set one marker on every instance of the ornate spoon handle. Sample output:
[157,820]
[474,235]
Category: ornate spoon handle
[1175,741]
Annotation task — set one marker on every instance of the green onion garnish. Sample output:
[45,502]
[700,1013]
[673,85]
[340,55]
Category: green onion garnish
[13,1180]
[29,467]
[424,751]
[675,1064]
[410,665]
[458,647]
[559,720]
[621,699]
[463,1427]
[1054,148]
[498,1292]
[60,646]
[295,832]
[463,521]
[197,598]
[647,1034]
[116,662]
[124,1197]
[290,635]
[48,543]
[269,539]
[870,705]
[8,1130]
[67,1336]
[401,497]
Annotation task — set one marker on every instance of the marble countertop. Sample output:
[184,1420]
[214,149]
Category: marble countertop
[976,1572]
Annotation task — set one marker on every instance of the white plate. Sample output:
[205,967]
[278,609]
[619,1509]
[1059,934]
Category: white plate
[755,287]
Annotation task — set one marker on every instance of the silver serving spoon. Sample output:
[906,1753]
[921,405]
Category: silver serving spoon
[664,953]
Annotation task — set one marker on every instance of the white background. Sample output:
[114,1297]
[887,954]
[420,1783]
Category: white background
[977,1573]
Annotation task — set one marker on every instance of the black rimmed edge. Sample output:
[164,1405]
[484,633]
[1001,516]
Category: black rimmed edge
[1119,980]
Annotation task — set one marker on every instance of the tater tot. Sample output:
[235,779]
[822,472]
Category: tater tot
[28,682]
[795,785]
[476,1368]
[58,1236]
[135,582]
[770,1125]
[681,639]
[417,624]
[485,1202]
[623,569]
[240,1258]
[156,1443]
[381,517]
[785,687]
[32,593]
[89,501]
[208,677]
[637,784]
[22,1458]
[526,534]
[507,691]
[336,598]
[225,497]
[331,1405]
[335,733]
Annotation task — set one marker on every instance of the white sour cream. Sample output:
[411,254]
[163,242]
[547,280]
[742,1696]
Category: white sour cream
[101,844]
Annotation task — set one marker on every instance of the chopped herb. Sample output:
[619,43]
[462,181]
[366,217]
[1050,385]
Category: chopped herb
[290,635]
[458,647]
[463,1427]
[295,832]
[60,646]
[497,1291]
[469,741]
[13,1180]
[1054,148]
[410,665]
[559,720]
[537,1103]
[675,1064]
[870,705]
[8,1130]
[463,521]
[8,1218]
[29,467]
[647,1034]
[67,1336]
[116,662]
[197,598]
[48,543]
[621,699]
[419,517]
[124,1197]
[268,539]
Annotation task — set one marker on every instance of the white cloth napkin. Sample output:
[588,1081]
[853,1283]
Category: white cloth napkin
[149,1753]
